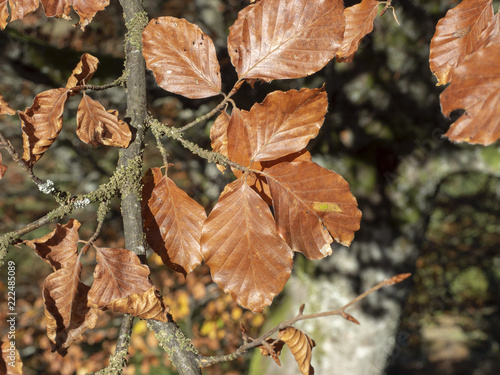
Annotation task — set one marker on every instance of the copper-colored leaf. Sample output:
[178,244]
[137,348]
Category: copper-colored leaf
[85,9]
[272,349]
[96,126]
[4,107]
[218,135]
[246,256]
[59,246]
[3,168]
[458,36]
[282,124]
[18,10]
[10,360]
[42,123]
[312,205]
[278,39]
[172,222]
[301,347]
[146,305]
[182,57]
[475,88]
[84,71]
[66,312]
[118,274]
[359,22]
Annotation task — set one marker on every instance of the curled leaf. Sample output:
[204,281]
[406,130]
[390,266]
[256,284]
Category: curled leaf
[18,10]
[301,347]
[4,107]
[84,71]
[86,10]
[10,360]
[146,305]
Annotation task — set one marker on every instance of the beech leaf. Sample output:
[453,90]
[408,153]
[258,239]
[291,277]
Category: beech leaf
[4,107]
[475,88]
[272,349]
[85,9]
[84,71]
[182,57]
[146,305]
[240,244]
[42,123]
[359,22]
[301,347]
[279,39]
[311,205]
[218,136]
[458,36]
[3,168]
[172,222]
[96,126]
[18,10]
[7,358]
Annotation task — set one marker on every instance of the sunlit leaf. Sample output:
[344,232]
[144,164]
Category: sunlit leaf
[59,246]
[359,22]
[3,168]
[18,10]
[218,135]
[85,9]
[84,71]
[278,39]
[172,222]
[475,88]
[4,107]
[240,244]
[42,123]
[146,305]
[301,347]
[10,360]
[458,36]
[312,205]
[182,57]
[96,126]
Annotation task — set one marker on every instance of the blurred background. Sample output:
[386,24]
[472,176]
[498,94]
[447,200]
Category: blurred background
[429,207]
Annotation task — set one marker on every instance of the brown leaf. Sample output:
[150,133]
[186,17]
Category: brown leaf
[85,9]
[147,305]
[458,36]
[182,57]
[312,205]
[273,40]
[246,256]
[272,349]
[59,246]
[66,312]
[118,274]
[3,168]
[96,126]
[359,22]
[475,88]
[42,123]
[10,360]
[172,222]
[4,107]
[18,10]
[84,71]
[282,124]
[218,135]
[301,347]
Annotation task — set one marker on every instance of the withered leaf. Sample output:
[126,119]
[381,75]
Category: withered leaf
[218,135]
[240,244]
[96,126]
[18,10]
[3,168]
[272,349]
[312,205]
[86,10]
[4,107]
[274,40]
[146,305]
[475,88]
[182,57]
[301,347]
[66,312]
[359,22]
[458,36]
[172,222]
[59,246]
[84,71]
[7,358]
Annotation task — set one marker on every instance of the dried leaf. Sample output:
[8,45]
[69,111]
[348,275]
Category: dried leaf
[475,88]
[18,10]
[66,312]
[42,123]
[182,57]
[84,71]
[4,107]
[278,39]
[147,305]
[457,36]
[301,347]
[282,124]
[246,256]
[359,22]
[59,246]
[218,136]
[10,360]
[3,168]
[118,274]
[312,205]
[272,349]
[172,222]
[96,126]
[85,9]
